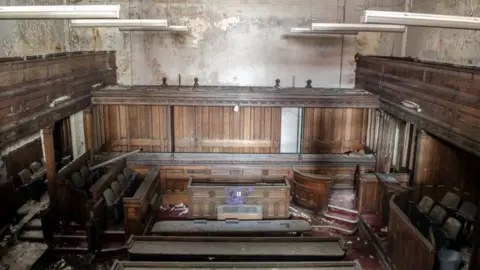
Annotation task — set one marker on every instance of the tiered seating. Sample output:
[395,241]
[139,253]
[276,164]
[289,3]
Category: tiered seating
[32,181]
[451,222]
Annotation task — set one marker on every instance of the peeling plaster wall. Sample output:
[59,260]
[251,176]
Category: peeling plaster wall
[31,37]
[238,42]
[445,45]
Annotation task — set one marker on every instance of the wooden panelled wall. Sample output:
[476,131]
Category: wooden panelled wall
[334,130]
[29,86]
[208,129]
[442,167]
[448,96]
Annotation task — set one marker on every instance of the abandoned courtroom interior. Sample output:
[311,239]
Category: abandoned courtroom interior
[240,134]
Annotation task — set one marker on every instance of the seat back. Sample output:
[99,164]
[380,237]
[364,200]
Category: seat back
[451,201]
[35,166]
[26,176]
[452,228]
[109,196]
[128,174]
[468,210]
[78,180]
[85,172]
[426,205]
[117,190]
[437,215]
[122,180]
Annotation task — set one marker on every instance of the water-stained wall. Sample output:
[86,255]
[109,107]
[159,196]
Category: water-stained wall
[230,42]
[445,45]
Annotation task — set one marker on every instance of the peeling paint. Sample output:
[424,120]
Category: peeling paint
[445,45]
[228,23]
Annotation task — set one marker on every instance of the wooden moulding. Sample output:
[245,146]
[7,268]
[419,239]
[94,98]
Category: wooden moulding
[207,194]
[138,207]
[403,235]
[344,265]
[230,96]
[310,190]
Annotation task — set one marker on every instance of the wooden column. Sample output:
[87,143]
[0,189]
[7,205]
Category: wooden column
[88,128]
[48,147]
[420,166]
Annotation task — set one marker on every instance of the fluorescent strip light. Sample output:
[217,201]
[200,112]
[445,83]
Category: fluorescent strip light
[119,23]
[421,19]
[172,28]
[350,27]
[308,32]
[60,12]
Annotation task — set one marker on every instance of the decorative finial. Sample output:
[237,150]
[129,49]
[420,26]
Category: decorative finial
[195,85]
[309,84]
[277,83]
[164,81]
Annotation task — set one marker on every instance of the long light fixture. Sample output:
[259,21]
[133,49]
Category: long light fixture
[421,19]
[123,23]
[350,27]
[172,28]
[307,32]
[60,12]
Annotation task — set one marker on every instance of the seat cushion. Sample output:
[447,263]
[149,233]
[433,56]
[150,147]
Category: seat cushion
[117,190]
[468,210]
[426,205]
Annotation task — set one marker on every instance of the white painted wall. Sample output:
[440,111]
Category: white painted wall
[78,134]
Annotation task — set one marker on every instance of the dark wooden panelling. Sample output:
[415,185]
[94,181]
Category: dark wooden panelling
[242,96]
[449,96]
[442,167]
[367,200]
[310,190]
[334,130]
[28,87]
[22,157]
[220,129]
[124,128]
[444,79]
[407,248]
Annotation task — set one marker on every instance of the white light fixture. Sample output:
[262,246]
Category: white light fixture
[421,19]
[172,28]
[119,23]
[351,27]
[60,12]
[307,32]
[236,108]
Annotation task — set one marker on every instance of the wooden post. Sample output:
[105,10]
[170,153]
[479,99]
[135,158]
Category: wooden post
[48,146]
[88,128]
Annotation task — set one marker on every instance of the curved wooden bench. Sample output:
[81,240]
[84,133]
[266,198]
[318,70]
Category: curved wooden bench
[310,190]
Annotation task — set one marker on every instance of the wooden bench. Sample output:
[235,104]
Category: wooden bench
[66,199]
[139,207]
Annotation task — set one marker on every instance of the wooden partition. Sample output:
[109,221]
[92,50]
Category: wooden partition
[220,129]
[29,86]
[407,248]
[22,157]
[62,191]
[107,179]
[367,190]
[442,167]
[310,190]
[334,130]
[139,207]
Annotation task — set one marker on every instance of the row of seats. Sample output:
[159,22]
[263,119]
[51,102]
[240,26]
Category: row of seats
[32,180]
[124,186]
[451,222]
